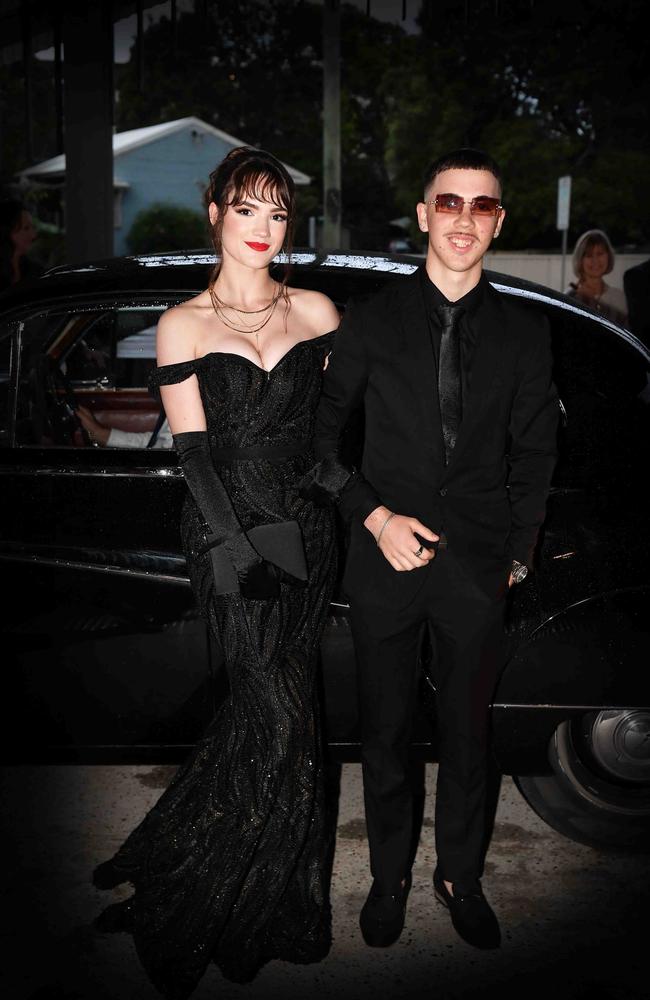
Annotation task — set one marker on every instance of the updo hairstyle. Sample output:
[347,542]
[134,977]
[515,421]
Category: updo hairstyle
[254,173]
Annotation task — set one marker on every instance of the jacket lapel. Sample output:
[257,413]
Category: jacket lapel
[486,365]
[410,318]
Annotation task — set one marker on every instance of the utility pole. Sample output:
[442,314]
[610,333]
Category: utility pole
[331,124]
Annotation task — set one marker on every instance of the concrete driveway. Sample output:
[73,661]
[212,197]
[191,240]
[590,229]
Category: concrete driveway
[574,920]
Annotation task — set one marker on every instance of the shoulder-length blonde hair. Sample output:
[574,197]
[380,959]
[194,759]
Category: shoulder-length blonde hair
[592,238]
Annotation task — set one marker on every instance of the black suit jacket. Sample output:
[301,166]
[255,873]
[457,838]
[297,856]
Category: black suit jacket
[490,499]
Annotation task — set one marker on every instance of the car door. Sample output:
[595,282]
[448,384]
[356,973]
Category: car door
[579,626]
[103,648]
[596,538]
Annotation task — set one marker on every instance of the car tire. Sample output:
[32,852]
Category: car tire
[599,791]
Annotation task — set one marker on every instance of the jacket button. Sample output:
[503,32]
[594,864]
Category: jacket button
[443,491]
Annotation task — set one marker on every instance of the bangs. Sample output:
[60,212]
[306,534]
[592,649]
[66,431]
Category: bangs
[594,241]
[254,175]
[261,186]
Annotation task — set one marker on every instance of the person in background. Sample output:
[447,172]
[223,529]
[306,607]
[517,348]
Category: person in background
[112,437]
[593,258]
[636,284]
[17,234]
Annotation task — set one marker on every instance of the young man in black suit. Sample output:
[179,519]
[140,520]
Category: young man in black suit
[459,447]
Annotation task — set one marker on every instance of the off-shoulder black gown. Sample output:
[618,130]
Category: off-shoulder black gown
[230,864]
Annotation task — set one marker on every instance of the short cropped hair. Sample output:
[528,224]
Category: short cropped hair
[584,243]
[464,158]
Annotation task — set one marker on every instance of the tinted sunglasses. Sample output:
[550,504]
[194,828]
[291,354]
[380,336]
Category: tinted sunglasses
[454,204]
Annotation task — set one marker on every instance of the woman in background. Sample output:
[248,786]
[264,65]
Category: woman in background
[593,258]
[231,864]
[17,233]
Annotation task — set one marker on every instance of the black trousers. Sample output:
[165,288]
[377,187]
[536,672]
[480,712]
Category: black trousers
[466,629]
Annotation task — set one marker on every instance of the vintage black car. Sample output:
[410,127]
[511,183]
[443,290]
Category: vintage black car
[104,656]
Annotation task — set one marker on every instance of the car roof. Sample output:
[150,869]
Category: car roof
[337,273]
[183,272]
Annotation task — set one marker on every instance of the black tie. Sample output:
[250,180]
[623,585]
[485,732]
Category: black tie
[449,379]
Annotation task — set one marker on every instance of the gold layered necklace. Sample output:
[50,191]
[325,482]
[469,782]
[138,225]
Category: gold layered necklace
[224,311]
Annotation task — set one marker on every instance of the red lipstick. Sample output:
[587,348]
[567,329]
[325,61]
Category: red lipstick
[257,246]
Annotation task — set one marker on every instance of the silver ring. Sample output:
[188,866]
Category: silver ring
[418,552]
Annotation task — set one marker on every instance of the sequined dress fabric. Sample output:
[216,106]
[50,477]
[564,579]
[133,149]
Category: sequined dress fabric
[230,865]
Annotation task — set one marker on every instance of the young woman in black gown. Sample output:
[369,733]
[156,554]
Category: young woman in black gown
[230,864]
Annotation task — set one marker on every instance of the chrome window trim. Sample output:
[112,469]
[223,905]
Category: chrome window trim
[55,562]
[138,472]
[360,262]
[136,301]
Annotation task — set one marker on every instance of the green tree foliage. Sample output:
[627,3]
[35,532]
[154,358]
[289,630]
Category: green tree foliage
[549,89]
[162,228]
[14,153]
[250,69]
[254,70]
[368,49]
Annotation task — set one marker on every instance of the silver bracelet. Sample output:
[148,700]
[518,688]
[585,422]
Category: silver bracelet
[381,530]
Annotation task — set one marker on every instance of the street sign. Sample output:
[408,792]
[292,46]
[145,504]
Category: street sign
[563,202]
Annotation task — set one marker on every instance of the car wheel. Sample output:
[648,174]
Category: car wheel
[599,792]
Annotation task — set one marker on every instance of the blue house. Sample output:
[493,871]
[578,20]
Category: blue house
[170,162]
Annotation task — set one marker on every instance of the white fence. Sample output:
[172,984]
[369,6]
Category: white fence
[546,268]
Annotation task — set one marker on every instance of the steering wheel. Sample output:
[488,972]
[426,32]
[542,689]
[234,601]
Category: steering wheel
[58,405]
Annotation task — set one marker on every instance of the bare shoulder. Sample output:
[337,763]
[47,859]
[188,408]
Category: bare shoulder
[314,311]
[179,331]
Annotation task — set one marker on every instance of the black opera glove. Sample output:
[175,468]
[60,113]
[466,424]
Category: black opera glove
[325,482]
[280,558]
[257,578]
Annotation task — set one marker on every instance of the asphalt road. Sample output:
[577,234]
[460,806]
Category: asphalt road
[574,919]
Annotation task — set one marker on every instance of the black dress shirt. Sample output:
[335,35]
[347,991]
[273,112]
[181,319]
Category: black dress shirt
[469,323]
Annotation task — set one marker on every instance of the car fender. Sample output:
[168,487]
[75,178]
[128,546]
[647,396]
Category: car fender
[592,655]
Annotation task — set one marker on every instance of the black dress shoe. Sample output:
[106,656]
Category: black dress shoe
[470,914]
[382,917]
[108,875]
[116,918]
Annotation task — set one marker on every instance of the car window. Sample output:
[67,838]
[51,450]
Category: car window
[117,349]
[603,384]
[97,359]
[86,360]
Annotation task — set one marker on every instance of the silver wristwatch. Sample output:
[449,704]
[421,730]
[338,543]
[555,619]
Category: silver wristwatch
[519,571]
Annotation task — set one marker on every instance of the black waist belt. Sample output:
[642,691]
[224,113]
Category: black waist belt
[269,453]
